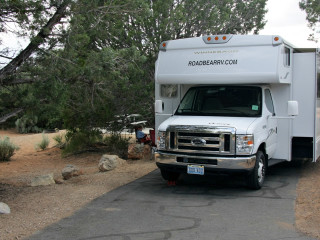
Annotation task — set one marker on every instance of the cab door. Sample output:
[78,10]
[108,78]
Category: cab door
[271,126]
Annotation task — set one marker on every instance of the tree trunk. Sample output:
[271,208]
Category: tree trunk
[6,73]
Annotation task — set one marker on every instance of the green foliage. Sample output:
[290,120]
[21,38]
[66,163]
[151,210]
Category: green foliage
[27,124]
[116,144]
[42,99]
[78,141]
[45,100]
[7,149]
[44,143]
[101,63]
[312,8]
[10,99]
[25,13]
[60,140]
[157,21]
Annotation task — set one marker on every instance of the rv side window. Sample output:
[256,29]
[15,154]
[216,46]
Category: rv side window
[169,90]
[287,57]
[269,102]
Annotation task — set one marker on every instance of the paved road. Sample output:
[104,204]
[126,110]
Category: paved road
[197,208]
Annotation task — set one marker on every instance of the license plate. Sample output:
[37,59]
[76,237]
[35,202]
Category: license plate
[195,169]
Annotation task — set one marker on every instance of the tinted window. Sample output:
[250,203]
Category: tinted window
[169,90]
[287,56]
[269,102]
[222,101]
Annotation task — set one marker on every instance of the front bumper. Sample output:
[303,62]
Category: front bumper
[170,162]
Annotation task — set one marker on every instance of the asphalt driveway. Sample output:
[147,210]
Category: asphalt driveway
[197,208]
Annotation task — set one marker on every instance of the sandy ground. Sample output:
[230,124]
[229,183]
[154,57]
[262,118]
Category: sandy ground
[33,208]
[308,200]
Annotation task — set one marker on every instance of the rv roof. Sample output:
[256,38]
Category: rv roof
[213,41]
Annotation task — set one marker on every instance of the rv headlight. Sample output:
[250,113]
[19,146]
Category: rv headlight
[161,140]
[244,144]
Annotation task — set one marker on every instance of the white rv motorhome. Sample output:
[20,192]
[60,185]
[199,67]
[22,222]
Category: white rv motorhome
[235,103]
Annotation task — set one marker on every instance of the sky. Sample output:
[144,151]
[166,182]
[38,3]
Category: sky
[286,19]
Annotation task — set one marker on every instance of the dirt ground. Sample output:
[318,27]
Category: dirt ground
[308,200]
[33,208]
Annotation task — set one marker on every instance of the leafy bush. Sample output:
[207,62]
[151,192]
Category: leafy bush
[7,149]
[117,145]
[81,140]
[27,124]
[77,141]
[60,140]
[44,143]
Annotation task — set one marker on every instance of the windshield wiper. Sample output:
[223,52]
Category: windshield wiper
[190,112]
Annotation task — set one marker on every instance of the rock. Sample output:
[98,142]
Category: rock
[4,208]
[109,162]
[70,171]
[43,180]
[58,181]
[139,151]
[135,151]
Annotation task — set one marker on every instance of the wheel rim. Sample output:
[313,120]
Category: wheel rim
[261,170]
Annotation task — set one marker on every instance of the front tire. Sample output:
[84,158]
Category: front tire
[256,178]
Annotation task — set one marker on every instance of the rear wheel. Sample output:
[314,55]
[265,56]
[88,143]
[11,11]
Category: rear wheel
[256,178]
[169,176]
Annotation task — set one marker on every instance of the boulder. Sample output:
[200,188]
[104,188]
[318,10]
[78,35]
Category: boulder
[4,208]
[43,180]
[139,151]
[70,171]
[109,162]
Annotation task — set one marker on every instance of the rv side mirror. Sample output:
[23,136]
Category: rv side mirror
[158,106]
[293,109]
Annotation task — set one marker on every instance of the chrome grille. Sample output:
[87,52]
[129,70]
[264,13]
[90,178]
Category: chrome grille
[201,139]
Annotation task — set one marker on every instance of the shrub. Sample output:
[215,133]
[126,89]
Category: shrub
[27,124]
[44,143]
[81,140]
[60,140]
[7,149]
[117,145]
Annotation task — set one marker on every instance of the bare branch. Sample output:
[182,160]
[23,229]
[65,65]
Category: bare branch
[10,115]
[11,67]
[3,56]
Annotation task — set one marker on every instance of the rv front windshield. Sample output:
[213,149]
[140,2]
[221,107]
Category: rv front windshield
[233,101]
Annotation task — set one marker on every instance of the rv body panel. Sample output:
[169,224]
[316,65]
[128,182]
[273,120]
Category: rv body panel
[229,63]
[304,91]
[317,112]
